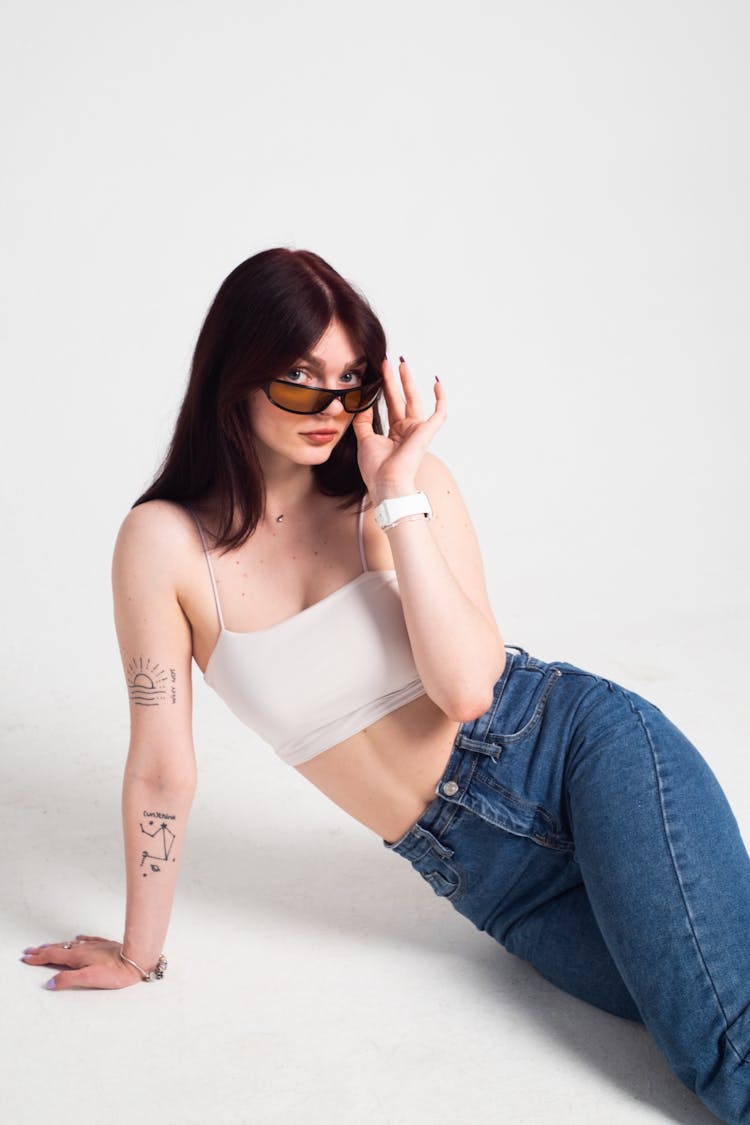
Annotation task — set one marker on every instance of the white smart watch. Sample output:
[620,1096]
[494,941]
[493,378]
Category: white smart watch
[397,508]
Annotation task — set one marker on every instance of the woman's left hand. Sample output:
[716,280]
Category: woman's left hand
[389,463]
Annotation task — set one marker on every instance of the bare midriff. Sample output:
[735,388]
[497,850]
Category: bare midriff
[385,775]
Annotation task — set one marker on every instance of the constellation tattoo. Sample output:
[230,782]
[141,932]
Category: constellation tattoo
[147,683]
[161,849]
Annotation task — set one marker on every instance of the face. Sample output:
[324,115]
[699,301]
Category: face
[308,439]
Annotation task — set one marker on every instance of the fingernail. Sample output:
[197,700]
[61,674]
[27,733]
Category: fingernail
[30,949]
[437,378]
[24,959]
[50,983]
[46,945]
[401,359]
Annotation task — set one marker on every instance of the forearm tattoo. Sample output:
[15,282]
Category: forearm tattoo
[161,842]
[150,685]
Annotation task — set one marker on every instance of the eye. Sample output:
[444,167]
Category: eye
[295,376]
[350,377]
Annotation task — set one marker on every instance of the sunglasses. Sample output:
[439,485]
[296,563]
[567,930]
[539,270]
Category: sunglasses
[313,400]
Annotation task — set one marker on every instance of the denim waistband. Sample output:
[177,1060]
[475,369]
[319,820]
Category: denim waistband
[471,735]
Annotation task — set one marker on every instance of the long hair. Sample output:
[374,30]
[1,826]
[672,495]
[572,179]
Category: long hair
[270,310]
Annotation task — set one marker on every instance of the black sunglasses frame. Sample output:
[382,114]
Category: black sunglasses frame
[375,385]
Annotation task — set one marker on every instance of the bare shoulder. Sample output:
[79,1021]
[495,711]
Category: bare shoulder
[157,535]
[153,632]
[434,473]
[156,523]
[437,480]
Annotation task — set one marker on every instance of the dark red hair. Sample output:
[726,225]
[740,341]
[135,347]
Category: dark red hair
[269,311]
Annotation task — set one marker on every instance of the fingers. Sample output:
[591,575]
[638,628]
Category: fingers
[404,403]
[56,957]
[413,401]
[83,962]
[362,424]
[441,406]
[391,392]
[70,953]
[75,978]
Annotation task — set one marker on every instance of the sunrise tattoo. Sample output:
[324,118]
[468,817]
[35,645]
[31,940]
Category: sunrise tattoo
[149,684]
[157,852]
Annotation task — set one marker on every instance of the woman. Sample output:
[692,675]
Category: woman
[326,579]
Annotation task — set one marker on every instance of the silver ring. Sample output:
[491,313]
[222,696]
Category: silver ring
[67,945]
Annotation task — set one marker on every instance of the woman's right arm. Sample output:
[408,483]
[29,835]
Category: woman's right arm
[159,783]
[160,775]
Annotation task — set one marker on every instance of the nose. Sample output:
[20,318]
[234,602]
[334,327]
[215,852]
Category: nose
[335,406]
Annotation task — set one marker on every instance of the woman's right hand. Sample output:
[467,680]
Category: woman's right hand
[84,962]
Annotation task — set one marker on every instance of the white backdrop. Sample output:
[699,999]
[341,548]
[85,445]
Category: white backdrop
[546,203]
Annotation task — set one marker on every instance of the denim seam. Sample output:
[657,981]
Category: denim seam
[688,911]
[503,683]
[520,803]
[503,740]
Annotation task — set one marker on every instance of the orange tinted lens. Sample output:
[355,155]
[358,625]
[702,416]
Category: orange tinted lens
[359,398]
[306,400]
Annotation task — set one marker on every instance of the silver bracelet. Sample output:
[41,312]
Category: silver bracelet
[155,974]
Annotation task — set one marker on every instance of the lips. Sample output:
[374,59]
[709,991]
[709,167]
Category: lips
[320,437]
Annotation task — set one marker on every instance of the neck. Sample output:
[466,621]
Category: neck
[288,488]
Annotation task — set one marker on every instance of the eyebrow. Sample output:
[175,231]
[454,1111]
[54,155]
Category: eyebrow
[308,357]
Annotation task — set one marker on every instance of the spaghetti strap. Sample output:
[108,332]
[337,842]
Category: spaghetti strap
[361,533]
[210,568]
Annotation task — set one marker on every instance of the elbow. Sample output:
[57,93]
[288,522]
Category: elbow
[471,701]
[181,782]
[465,708]
[465,711]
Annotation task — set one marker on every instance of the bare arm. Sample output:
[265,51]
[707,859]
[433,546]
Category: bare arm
[456,643]
[457,646]
[160,775]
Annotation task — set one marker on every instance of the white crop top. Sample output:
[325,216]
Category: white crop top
[324,674]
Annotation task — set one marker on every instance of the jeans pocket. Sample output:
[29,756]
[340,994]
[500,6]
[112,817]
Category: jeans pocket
[520,709]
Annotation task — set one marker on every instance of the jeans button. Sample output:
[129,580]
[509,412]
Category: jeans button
[450,788]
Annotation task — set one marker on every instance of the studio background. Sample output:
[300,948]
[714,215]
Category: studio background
[546,204]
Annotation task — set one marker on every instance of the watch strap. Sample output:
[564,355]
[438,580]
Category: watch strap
[395,508]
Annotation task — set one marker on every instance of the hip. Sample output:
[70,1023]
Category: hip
[509,765]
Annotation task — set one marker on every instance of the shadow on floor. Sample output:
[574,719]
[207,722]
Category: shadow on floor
[343,881]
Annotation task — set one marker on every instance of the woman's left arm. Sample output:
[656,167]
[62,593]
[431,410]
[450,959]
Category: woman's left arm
[455,641]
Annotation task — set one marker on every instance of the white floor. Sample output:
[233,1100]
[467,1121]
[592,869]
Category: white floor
[312,977]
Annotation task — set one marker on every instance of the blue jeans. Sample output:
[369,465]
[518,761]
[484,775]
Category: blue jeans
[579,828]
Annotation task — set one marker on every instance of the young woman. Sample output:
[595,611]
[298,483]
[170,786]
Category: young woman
[325,577]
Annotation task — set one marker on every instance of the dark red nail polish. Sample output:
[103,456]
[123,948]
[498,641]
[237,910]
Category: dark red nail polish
[401,359]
